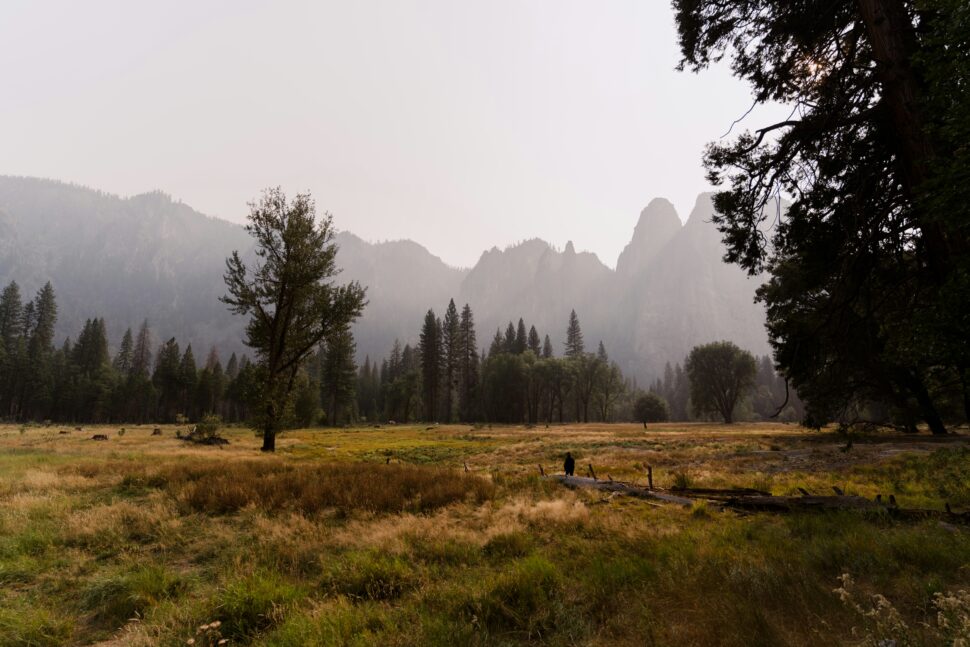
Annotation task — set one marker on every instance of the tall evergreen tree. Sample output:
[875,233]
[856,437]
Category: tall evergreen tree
[468,366]
[188,378]
[521,339]
[508,344]
[167,380]
[498,344]
[534,344]
[36,397]
[431,361]
[123,358]
[142,390]
[93,366]
[11,341]
[451,349]
[601,353]
[338,376]
[547,351]
[574,337]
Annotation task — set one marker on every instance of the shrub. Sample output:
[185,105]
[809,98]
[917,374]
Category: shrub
[371,576]
[34,626]
[253,604]
[683,480]
[115,599]
[508,545]
[526,600]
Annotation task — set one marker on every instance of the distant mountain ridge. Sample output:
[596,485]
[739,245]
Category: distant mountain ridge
[151,257]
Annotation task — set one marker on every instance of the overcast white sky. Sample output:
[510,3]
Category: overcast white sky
[458,124]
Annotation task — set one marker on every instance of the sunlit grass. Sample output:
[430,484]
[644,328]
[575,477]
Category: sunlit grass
[144,540]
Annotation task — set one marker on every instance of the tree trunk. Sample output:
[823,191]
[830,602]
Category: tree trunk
[892,36]
[930,414]
[269,429]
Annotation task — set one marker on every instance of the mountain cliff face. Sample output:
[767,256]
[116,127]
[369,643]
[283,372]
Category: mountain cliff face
[151,257]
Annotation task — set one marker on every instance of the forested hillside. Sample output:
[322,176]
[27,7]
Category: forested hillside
[152,257]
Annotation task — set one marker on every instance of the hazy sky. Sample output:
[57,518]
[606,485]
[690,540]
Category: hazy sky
[459,124]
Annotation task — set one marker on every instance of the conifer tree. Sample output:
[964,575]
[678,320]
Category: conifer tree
[547,351]
[521,339]
[574,337]
[36,396]
[431,361]
[451,349]
[497,346]
[534,344]
[11,341]
[338,376]
[468,366]
[123,358]
[188,378]
[167,380]
[508,344]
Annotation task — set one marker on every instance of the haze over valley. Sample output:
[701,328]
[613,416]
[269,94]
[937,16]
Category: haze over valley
[151,256]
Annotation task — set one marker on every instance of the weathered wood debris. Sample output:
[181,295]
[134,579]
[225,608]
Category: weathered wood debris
[752,500]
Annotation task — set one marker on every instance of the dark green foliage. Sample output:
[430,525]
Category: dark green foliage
[338,375]
[720,375]
[468,366]
[452,353]
[534,343]
[79,382]
[868,268]
[574,337]
[504,381]
[650,407]
[521,342]
[289,296]
[432,358]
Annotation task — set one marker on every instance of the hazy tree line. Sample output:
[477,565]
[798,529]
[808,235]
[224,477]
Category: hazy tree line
[763,396]
[518,379]
[445,378]
[80,381]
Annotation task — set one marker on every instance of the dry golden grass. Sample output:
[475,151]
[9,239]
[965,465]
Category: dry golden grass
[142,539]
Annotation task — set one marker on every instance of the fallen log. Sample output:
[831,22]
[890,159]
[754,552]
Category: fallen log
[793,503]
[715,493]
[622,488]
[765,502]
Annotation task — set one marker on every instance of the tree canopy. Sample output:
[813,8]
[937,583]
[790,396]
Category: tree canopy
[720,375]
[289,295]
[868,276]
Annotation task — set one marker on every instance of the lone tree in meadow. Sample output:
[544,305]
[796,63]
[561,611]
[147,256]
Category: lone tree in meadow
[720,374]
[289,296]
[650,407]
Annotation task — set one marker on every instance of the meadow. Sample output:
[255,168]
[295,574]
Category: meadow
[447,535]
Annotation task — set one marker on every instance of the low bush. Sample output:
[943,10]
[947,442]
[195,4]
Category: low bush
[508,545]
[115,599]
[526,600]
[34,626]
[371,576]
[248,606]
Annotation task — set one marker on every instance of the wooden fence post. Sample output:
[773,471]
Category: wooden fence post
[650,477]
